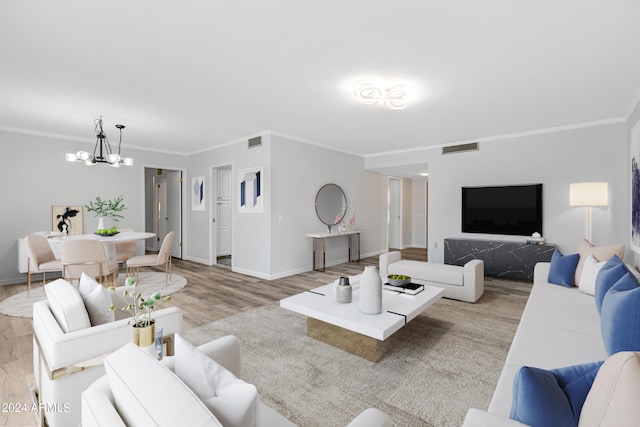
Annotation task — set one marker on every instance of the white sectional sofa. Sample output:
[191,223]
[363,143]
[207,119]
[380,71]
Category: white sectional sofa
[560,327]
[464,283]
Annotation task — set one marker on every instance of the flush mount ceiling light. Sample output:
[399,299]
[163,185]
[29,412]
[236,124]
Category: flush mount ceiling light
[393,97]
[102,152]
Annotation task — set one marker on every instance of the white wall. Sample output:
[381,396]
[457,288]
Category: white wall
[419,213]
[251,232]
[36,177]
[407,213]
[272,244]
[553,159]
[298,172]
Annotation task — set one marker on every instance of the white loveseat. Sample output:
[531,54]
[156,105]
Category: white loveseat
[464,283]
[67,350]
[163,398]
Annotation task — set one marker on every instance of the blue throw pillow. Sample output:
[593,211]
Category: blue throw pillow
[544,398]
[609,274]
[576,382]
[562,270]
[620,316]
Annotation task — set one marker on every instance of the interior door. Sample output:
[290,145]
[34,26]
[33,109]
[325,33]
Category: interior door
[162,215]
[223,212]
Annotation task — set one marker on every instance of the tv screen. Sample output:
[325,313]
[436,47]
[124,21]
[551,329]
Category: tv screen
[512,210]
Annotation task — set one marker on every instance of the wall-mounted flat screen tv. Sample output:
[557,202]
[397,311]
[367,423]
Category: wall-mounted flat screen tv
[511,210]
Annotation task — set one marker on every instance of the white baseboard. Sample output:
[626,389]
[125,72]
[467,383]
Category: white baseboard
[16,280]
[198,260]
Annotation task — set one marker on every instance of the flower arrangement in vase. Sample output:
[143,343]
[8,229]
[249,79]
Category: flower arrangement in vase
[352,221]
[140,309]
[106,209]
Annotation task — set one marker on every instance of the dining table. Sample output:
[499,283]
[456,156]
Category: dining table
[109,241]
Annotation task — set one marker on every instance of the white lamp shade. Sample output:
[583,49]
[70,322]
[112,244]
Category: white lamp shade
[589,194]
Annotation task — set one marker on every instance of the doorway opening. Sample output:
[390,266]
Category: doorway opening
[163,207]
[394,214]
[221,195]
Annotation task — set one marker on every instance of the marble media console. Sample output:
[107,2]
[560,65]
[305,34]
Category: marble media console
[513,260]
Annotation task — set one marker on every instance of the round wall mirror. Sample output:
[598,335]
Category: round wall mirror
[331,205]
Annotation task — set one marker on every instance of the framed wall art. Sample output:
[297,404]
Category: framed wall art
[251,190]
[197,193]
[635,188]
[67,219]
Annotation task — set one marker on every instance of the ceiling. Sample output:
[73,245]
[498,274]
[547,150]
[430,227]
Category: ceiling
[185,76]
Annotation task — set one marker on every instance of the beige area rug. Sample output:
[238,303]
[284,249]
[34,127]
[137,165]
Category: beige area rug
[442,363]
[20,305]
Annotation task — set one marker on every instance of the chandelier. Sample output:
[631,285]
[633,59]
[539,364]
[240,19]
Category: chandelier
[102,152]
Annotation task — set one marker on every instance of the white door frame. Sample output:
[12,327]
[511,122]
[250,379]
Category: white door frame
[183,212]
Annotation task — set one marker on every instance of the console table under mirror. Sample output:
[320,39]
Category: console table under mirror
[331,208]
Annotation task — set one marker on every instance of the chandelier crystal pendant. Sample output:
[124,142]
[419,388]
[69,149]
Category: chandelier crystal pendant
[102,152]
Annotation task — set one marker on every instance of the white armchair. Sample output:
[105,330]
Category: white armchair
[100,407]
[67,357]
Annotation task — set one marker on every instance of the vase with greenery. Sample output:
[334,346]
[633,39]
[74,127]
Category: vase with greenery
[106,209]
[140,309]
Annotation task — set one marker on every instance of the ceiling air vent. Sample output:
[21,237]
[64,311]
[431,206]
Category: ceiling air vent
[255,142]
[473,146]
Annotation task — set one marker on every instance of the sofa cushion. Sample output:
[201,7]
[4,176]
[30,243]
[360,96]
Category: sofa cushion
[147,393]
[609,274]
[614,396]
[430,272]
[555,397]
[67,306]
[601,253]
[232,400]
[563,268]
[620,316]
[96,300]
[590,271]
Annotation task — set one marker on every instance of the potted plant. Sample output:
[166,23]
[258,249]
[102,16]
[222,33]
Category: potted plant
[106,209]
[140,309]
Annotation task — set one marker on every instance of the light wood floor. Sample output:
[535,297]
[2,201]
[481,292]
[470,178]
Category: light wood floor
[212,293]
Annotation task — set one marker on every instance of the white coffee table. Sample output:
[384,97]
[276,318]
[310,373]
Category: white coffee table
[345,327]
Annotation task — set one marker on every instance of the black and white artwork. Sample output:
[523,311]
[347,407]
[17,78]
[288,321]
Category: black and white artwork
[66,219]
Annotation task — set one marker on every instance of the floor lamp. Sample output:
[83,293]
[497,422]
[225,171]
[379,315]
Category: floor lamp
[588,194]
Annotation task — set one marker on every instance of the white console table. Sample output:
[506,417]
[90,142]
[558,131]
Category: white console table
[319,258]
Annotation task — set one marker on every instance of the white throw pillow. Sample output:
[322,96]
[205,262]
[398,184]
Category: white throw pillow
[590,269]
[67,306]
[232,400]
[96,300]
[600,253]
[615,393]
[147,393]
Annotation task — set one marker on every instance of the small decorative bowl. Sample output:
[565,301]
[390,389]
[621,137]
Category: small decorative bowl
[398,279]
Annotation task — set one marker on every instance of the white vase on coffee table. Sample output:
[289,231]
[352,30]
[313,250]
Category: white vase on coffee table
[370,291]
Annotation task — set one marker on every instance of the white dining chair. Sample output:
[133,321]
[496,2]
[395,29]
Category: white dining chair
[88,256]
[41,258]
[125,250]
[162,258]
